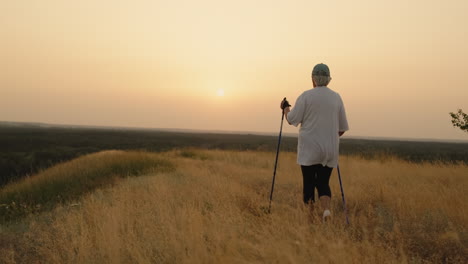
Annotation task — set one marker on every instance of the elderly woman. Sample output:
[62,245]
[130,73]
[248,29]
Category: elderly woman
[322,116]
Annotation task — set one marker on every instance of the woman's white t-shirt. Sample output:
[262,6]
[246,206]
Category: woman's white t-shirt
[321,113]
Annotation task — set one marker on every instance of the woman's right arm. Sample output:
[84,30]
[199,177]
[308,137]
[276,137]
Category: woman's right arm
[294,116]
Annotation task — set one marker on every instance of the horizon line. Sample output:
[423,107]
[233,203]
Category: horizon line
[217,131]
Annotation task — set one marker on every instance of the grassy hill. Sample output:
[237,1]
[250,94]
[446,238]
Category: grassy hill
[210,206]
[70,180]
[27,149]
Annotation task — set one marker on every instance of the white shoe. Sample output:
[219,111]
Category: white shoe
[326,215]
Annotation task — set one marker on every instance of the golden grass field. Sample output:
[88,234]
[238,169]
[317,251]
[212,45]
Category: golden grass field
[213,209]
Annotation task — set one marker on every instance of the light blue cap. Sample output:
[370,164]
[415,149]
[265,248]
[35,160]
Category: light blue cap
[321,70]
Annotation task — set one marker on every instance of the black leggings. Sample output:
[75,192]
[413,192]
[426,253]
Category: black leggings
[316,176]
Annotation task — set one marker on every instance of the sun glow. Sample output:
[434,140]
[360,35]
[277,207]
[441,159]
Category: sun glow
[220,92]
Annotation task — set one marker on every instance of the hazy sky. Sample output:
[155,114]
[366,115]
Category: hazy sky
[400,66]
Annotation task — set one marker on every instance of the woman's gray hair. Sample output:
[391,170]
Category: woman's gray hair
[321,80]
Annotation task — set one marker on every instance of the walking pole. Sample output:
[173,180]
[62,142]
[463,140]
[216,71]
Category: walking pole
[276,160]
[342,195]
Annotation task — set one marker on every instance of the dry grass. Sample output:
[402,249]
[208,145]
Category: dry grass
[212,209]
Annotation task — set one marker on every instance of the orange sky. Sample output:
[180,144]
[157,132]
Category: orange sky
[400,67]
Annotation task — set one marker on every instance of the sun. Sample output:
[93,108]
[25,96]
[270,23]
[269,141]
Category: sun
[220,92]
